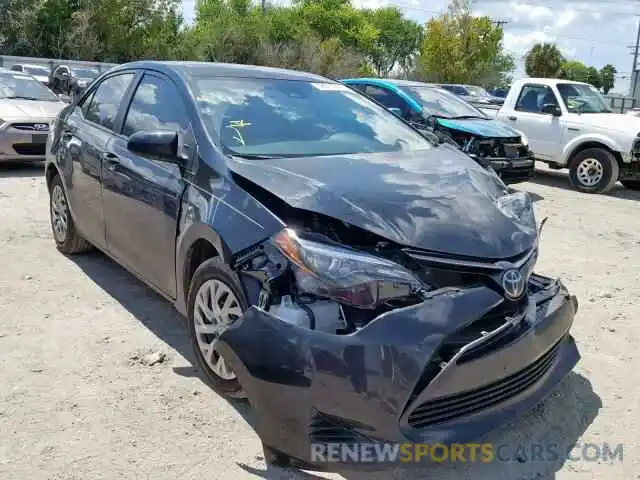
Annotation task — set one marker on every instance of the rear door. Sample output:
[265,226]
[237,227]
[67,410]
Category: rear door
[84,140]
[142,194]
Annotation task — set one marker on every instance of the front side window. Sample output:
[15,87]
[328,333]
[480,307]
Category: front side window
[24,87]
[440,103]
[36,70]
[107,98]
[155,106]
[581,98]
[271,117]
[534,97]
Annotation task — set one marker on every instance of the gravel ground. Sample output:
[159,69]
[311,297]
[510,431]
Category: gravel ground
[81,398]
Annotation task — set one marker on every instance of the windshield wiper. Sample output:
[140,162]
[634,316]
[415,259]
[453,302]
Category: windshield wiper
[255,156]
[20,97]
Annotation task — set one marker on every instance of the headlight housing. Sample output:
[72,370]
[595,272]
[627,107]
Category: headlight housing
[518,207]
[344,275]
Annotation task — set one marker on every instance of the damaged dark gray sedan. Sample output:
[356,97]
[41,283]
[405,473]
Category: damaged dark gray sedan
[352,280]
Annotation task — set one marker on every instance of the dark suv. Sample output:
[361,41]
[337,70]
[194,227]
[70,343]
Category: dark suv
[348,276]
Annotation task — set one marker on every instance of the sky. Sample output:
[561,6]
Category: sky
[595,32]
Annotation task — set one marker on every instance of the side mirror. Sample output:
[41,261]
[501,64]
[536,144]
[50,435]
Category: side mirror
[161,144]
[552,109]
[396,111]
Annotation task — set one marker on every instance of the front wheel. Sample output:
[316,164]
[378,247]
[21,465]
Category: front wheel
[631,184]
[216,299]
[594,170]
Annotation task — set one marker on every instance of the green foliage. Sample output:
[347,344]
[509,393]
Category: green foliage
[608,77]
[544,60]
[461,48]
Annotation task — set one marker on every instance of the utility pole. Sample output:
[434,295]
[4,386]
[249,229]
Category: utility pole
[499,23]
[264,6]
[634,69]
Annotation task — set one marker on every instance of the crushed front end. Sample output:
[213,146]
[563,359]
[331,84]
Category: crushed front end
[510,157]
[439,349]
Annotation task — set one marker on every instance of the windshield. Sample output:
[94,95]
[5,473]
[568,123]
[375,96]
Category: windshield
[272,118]
[84,72]
[441,103]
[36,70]
[477,91]
[580,98]
[24,87]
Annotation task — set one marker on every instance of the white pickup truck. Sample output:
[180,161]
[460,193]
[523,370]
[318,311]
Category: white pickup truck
[570,125]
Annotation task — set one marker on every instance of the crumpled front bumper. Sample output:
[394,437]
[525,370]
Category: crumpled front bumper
[513,170]
[379,384]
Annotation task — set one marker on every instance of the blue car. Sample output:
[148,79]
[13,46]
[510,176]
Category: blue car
[429,107]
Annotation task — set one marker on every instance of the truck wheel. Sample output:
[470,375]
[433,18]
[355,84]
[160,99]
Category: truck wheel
[215,300]
[631,184]
[594,170]
[67,238]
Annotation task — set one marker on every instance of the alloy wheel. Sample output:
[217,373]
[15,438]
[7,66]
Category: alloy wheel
[59,214]
[216,307]
[590,172]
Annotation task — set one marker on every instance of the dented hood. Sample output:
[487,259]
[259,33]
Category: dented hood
[438,199]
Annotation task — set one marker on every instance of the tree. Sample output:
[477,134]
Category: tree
[574,70]
[461,48]
[594,78]
[608,77]
[544,60]
[397,40]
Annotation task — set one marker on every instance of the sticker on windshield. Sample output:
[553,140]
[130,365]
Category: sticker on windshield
[237,125]
[330,87]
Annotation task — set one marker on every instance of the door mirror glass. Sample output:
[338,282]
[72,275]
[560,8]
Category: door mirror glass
[552,109]
[396,111]
[161,144]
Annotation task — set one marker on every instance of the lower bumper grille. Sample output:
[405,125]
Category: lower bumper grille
[451,407]
[30,148]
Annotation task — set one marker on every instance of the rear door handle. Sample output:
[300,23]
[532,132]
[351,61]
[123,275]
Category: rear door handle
[110,160]
[512,118]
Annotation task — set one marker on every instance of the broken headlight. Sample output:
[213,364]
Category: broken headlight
[518,207]
[344,275]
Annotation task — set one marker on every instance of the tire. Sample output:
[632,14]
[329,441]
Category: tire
[593,170]
[65,234]
[631,184]
[211,277]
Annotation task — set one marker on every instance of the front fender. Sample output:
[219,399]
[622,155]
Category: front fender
[572,146]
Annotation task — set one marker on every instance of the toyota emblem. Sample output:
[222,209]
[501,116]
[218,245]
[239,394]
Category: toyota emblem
[513,283]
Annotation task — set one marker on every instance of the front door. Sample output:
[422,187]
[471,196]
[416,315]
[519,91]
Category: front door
[543,130]
[141,194]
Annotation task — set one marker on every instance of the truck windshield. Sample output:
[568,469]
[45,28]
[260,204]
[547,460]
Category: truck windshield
[582,98]
[440,103]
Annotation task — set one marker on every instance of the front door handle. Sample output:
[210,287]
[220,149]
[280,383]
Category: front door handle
[513,118]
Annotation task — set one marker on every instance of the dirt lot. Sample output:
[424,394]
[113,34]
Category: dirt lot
[78,399]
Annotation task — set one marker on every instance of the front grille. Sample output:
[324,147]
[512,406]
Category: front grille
[30,148]
[502,148]
[32,127]
[453,407]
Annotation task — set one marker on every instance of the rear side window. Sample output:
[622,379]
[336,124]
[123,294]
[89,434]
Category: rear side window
[155,106]
[16,68]
[386,97]
[358,86]
[106,100]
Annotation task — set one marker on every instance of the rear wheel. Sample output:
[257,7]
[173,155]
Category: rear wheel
[67,238]
[216,300]
[631,184]
[594,170]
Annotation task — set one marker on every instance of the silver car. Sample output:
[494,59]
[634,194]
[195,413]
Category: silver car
[27,108]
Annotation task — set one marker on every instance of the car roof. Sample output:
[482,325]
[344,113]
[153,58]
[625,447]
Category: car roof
[390,81]
[209,69]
